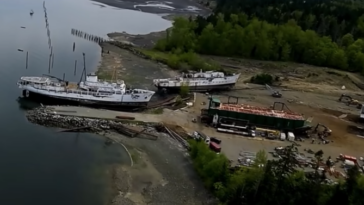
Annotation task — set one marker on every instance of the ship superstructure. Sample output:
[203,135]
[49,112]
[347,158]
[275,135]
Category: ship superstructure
[199,81]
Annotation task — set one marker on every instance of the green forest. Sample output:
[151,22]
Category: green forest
[321,33]
[274,182]
[327,18]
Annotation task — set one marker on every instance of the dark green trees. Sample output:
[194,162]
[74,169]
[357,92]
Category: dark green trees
[274,182]
[237,36]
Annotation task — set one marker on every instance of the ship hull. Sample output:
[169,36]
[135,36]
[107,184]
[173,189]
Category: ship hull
[199,88]
[56,100]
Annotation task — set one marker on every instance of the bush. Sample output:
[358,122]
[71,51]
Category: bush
[262,79]
[184,90]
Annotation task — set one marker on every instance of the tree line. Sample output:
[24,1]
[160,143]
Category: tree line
[273,182]
[327,18]
[240,36]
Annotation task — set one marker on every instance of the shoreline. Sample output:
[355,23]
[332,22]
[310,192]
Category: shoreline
[161,172]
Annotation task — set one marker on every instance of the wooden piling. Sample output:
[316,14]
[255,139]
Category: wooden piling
[84,65]
[26,61]
[75,68]
[49,64]
[52,59]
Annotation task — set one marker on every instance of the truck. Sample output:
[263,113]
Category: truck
[291,136]
[215,147]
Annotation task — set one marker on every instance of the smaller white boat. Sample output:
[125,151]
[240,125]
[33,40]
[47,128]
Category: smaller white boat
[199,81]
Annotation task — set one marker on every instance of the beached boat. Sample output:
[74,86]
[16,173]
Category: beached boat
[91,91]
[199,81]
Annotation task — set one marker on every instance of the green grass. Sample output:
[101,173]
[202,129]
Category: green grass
[181,61]
[155,55]
[103,75]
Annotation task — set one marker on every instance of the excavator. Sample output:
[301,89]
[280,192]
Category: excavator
[325,131]
[350,101]
[273,92]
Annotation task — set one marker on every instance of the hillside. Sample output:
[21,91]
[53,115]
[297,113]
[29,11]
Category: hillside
[328,18]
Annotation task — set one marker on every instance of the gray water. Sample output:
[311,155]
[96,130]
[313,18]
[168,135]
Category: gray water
[38,165]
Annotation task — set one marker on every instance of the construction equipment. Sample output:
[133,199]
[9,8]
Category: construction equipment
[350,101]
[326,131]
[273,92]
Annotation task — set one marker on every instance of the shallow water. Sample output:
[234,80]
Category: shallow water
[38,165]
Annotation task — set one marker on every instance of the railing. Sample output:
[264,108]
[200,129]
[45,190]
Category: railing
[65,90]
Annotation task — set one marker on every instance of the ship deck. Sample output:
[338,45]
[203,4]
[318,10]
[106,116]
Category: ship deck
[255,110]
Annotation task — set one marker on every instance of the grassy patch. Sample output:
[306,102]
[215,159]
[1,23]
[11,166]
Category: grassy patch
[103,75]
[155,55]
[182,61]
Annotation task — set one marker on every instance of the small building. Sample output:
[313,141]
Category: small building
[242,116]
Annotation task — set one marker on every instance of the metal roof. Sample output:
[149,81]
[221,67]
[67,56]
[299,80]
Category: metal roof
[250,109]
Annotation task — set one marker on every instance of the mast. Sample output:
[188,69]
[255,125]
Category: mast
[84,65]
[83,74]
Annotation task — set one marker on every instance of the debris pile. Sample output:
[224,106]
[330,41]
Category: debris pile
[246,158]
[45,117]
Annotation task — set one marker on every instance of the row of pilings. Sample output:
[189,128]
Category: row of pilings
[87,36]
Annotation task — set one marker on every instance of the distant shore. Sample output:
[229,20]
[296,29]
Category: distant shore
[156,7]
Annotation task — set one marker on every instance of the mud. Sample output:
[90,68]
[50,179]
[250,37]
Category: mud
[117,63]
[162,175]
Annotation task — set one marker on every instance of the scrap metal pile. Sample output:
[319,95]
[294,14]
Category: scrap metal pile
[246,158]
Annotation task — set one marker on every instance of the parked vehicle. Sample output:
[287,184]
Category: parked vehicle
[215,147]
[207,140]
[291,136]
[214,139]
[283,136]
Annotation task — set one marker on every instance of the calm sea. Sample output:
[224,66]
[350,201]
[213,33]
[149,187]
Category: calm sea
[38,165]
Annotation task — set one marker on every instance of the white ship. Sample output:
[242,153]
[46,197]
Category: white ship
[89,92]
[198,81]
